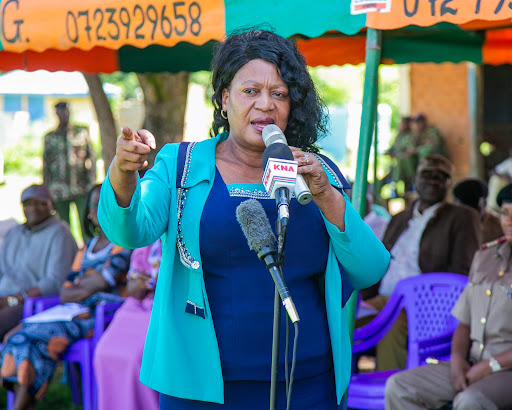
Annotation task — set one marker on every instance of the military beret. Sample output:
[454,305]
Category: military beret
[505,195]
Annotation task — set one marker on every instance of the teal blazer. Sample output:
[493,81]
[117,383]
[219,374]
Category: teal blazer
[181,354]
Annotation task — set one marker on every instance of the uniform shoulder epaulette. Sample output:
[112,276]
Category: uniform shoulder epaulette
[496,242]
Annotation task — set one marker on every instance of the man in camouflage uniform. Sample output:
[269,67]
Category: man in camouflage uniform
[415,140]
[427,138]
[479,373]
[404,160]
[69,164]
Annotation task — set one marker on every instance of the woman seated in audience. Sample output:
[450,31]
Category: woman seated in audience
[118,355]
[33,348]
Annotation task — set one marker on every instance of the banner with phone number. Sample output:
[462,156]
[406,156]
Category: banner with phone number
[429,12]
[59,24]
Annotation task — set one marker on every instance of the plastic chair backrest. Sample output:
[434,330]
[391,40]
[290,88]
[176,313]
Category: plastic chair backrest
[31,306]
[428,300]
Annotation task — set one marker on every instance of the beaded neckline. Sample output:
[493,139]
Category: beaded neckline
[253,191]
[186,258]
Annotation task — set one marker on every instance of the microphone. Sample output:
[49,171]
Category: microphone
[256,228]
[272,134]
[279,177]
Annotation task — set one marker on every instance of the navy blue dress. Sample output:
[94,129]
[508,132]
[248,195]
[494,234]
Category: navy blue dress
[241,297]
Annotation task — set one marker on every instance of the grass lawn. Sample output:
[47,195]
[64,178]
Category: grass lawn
[58,396]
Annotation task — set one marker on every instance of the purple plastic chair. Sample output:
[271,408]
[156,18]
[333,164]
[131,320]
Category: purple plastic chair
[80,352]
[428,300]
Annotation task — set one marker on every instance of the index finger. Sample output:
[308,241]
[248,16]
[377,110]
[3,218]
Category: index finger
[147,138]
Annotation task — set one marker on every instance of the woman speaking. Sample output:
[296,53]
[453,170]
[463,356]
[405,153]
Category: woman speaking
[210,335]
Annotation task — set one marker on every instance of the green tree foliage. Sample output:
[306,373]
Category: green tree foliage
[389,92]
[131,88]
[24,157]
[329,87]
[127,81]
[204,78]
[342,85]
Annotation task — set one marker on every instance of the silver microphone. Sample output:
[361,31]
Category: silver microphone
[272,134]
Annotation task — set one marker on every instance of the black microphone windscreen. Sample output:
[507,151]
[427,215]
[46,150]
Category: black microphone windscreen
[280,151]
[255,225]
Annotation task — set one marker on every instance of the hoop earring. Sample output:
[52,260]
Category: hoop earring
[224,114]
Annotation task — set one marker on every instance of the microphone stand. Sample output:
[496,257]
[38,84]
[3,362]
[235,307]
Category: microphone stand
[274,372]
[276,330]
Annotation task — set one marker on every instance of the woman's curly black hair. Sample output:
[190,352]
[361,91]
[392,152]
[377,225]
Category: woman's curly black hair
[89,227]
[308,117]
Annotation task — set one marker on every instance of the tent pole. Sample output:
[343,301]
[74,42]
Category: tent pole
[376,188]
[373,54]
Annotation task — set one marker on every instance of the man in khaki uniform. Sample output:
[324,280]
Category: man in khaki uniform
[479,373]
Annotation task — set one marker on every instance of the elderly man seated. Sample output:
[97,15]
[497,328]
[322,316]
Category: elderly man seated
[478,375]
[431,235]
[35,257]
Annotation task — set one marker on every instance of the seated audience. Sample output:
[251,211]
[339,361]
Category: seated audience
[118,355]
[478,374]
[33,348]
[35,257]
[431,235]
[473,192]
